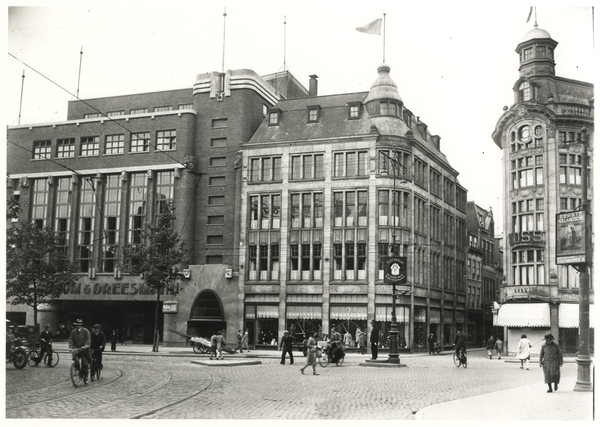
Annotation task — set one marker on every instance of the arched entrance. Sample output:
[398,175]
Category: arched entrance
[206,317]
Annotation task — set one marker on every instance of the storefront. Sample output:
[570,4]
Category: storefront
[568,326]
[348,316]
[261,318]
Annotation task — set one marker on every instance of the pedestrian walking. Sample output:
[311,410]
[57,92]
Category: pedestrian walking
[113,340]
[239,341]
[311,354]
[431,342]
[499,346]
[362,343]
[286,346]
[551,360]
[491,343]
[98,342]
[245,340]
[374,340]
[357,337]
[523,351]
[219,342]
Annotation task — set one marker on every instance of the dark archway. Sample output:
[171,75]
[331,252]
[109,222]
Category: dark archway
[206,316]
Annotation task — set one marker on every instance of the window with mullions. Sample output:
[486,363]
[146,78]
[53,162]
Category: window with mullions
[524,92]
[354,111]
[263,255]
[42,149]
[524,174]
[65,148]
[265,212]
[62,221]
[90,146]
[85,230]
[528,215]
[140,142]
[166,140]
[528,267]
[350,234]
[165,108]
[527,54]
[138,188]
[307,166]
[115,144]
[420,172]
[449,191]
[540,51]
[165,185]
[185,107]
[348,164]
[400,167]
[265,169]
[115,113]
[569,204]
[306,210]
[434,223]
[112,215]
[399,213]
[570,169]
[138,111]
[39,203]
[435,182]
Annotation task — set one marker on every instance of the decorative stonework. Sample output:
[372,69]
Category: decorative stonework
[237,163]
[551,132]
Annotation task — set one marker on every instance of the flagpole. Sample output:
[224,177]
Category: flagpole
[21,101]
[384,38]
[535,11]
[79,77]
[224,22]
[284,39]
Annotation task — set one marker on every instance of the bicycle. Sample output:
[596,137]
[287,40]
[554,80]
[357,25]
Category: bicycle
[33,357]
[95,366]
[79,376]
[324,357]
[461,359]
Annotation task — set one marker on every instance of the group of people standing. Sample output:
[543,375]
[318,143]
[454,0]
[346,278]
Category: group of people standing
[492,345]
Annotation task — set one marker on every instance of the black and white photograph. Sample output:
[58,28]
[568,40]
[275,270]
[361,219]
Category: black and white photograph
[228,211]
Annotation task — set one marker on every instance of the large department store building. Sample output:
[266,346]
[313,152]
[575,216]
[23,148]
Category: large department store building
[538,137]
[288,202]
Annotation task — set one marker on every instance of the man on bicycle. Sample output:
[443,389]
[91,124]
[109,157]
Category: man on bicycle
[460,342]
[98,343]
[80,339]
[45,345]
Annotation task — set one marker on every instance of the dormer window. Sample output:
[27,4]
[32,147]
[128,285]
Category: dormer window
[527,54]
[354,111]
[274,117]
[313,113]
[525,92]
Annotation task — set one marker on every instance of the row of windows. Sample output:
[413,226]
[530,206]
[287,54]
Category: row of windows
[540,52]
[139,142]
[117,113]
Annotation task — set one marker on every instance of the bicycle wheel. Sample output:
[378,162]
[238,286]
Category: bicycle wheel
[86,370]
[339,362]
[456,360]
[54,359]
[197,349]
[32,358]
[464,361]
[19,358]
[324,360]
[92,369]
[75,378]
[98,372]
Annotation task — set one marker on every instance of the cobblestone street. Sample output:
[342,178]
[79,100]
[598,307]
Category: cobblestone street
[173,388]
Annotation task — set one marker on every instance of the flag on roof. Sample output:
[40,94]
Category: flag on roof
[373,27]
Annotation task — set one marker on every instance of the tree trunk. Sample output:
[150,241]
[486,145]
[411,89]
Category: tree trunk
[156,314]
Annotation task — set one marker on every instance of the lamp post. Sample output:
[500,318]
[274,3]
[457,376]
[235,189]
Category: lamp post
[394,262]
[583,382]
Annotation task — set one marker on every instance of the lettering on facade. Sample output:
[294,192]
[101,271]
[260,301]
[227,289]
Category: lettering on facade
[116,288]
[524,237]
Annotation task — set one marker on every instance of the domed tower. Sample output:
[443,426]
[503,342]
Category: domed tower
[536,53]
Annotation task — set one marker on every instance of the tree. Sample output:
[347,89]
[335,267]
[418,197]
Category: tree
[155,258]
[37,271]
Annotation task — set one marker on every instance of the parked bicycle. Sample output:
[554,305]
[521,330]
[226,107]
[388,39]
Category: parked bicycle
[79,370]
[17,354]
[34,356]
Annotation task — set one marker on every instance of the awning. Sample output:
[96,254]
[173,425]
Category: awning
[267,311]
[524,315]
[568,316]
[342,312]
[304,312]
[384,314]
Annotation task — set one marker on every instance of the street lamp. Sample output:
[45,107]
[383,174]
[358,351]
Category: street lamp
[393,356]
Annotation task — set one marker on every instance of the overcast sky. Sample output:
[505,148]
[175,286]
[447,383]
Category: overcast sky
[454,62]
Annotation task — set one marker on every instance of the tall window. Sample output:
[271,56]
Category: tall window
[137,206]
[63,213]
[165,185]
[349,164]
[263,245]
[528,267]
[350,235]
[42,149]
[140,142]
[90,146]
[525,173]
[65,147]
[39,205]
[112,214]
[524,92]
[420,172]
[166,139]
[308,166]
[400,168]
[528,215]
[85,238]
[435,182]
[306,235]
[570,169]
[265,169]
[115,144]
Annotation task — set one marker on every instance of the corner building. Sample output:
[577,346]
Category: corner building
[538,137]
[321,207]
[100,176]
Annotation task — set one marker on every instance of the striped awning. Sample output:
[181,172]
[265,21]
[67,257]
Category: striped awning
[568,316]
[384,314]
[304,312]
[343,312]
[267,312]
[524,315]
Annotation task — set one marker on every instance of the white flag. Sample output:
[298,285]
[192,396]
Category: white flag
[373,27]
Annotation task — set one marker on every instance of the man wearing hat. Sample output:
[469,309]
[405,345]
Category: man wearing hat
[80,339]
[287,341]
[98,343]
[551,359]
[45,345]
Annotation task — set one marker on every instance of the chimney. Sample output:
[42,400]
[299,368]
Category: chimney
[436,141]
[312,85]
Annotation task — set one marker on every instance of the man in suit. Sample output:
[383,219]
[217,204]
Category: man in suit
[45,345]
[374,340]
[460,342]
[80,339]
[98,342]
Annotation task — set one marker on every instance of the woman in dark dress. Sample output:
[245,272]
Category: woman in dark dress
[551,359]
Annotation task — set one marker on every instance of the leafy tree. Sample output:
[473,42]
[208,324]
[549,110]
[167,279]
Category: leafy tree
[36,271]
[155,258]
[12,208]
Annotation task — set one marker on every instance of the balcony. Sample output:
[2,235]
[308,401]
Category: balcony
[564,109]
[529,292]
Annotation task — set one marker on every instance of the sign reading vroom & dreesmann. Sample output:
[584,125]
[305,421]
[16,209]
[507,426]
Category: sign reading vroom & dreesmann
[113,291]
